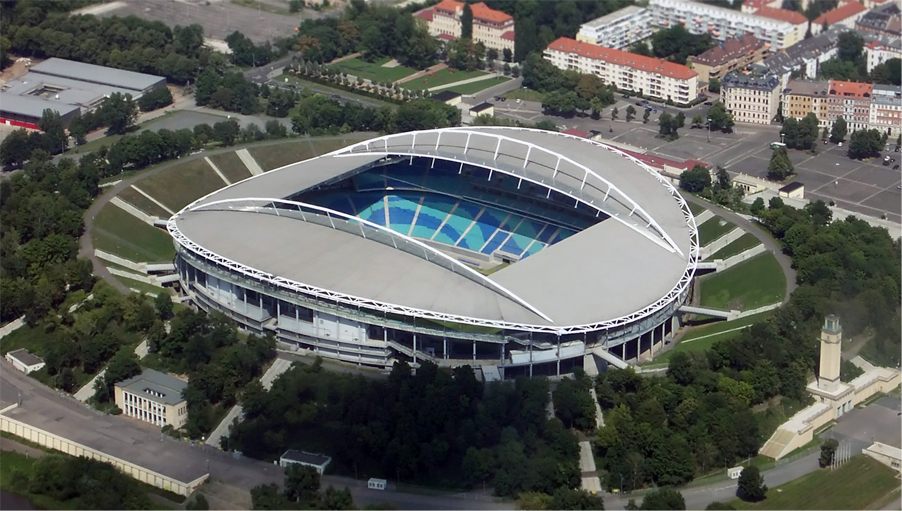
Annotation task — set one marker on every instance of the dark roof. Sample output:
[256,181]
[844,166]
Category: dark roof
[886,18]
[728,50]
[155,386]
[791,187]
[787,60]
[445,95]
[753,81]
[310,458]
[481,107]
[26,357]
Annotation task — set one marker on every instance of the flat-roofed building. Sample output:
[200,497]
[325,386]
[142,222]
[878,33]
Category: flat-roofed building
[139,83]
[846,14]
[25,361]
[730,55]
[26,111]
[751,98]
[153,397]
[491,27]
[318,462]
[618,29]
[648,76]
[723,23]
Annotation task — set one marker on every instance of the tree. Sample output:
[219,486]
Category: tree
[838,132]
[751,487]
[757,207]
[301,482]
[565,498]
[122,366]
[614,113]
[225,132]
[723,178]
[645,116]
[51,124]
[15,149]
[507,54]
[630,113]
[828,450]
[336,499]
[718,506]
[466,22]
[849,46]
[677,43]
[198,502]
[865,144]
[668,126]
[780,166]
[156,98]
[696,179]
[663,498]
[720,118]
[118,112]
[163,304]
[714,85]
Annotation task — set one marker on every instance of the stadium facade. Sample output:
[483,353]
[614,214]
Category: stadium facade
[521,251]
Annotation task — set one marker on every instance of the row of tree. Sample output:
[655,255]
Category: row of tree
[316,115]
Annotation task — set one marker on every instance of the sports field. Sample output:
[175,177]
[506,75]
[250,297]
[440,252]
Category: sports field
[713,228]
[274,156]
[750,284]
[373,70]
[179,185]
[119,233]
[232,166]
[443,77]
[861,483]
[473,88]
[745,242]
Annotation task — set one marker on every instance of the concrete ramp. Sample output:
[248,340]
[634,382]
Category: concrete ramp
[133,211]
[216,169]
[249,162]
[610,357]
[155,201]
[717,313]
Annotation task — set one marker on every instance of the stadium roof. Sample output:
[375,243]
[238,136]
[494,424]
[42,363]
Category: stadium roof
[97,74]
[619,270]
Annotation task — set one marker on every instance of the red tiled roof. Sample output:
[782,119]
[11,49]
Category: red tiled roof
[449,6]
[481,11]
[508,36]
[856,89]
[446,37]
[730,49]
[844,11]
[623,58]
[794,17]
[755,4]
[425,14]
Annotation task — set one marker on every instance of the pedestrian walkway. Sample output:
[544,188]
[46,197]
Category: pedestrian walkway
[245,156]
[588,475]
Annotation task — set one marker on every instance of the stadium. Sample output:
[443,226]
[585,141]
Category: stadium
[516,250]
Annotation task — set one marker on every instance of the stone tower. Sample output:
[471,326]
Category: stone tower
[831,351]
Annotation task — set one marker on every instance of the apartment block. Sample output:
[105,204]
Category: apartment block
[648,76]
[619,29]
[845,14]
[794,18]
[852,101]
[861,105]
[806,56]
[153,397]
[750,97]
[492,28]
[730,55]
[879,51]
[723,23]
[801,97]
[885,112]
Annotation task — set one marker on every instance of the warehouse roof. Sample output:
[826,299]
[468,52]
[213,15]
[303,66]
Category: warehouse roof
[32,106]
[97,74]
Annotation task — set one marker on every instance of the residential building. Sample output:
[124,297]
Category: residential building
[803,58]
[801,97]
[885,112]
[492,28]
[794,18]
[308,459]
[647,76]
[25,361]
[852,101]
[153,397]
[846,14]
[730,55]
[883,20]
[619,29]
[751,98]
[879,51]
[750,6]
[722,23]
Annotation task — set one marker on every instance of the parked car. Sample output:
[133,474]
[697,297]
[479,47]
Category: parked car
[708,103]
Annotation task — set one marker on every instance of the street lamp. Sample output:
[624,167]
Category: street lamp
[709,130]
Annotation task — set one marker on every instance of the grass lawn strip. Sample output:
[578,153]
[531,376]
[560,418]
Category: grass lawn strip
[131,196]
[745,242]
[179,185]
[524,94]
[753,283]
[231,166]
[326,89]
[443,77]
[271,157]
[713,228]
[119,233]
[473,88]
[373,70]
[702,338]
[855,485]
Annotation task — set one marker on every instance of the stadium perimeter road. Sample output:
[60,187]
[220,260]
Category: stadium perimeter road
[146,443]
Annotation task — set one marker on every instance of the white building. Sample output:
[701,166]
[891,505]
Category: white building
[878,52]
[492,28]
[722,23]
[153,397]
[618,29]
[25,361]
[845,14]
[751,98]
[885,112]
[318,462]
[648,76]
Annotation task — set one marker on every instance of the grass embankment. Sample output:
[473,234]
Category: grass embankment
[750,284]
[712,229]
[859,484]
[473,88]
[703,337]
[273,156]
[179,185]
[745,242]
[231,166]
[374,71]
[119,233]
[133,197]
[439,78]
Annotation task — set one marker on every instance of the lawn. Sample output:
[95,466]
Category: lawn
[326,89]
[713,228]
[119,233]
[858,484]
[37,341]
[443,77]
[142,287]
[525,94]
[753,283]
[745,242]
[131,196]
[15,462]
[93,145]
[473,88]
[703,337]
[231,166]
[181,184]
[278,155]
[373,70]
